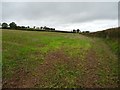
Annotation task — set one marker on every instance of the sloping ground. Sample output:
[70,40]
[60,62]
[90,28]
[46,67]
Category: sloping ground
[54,60]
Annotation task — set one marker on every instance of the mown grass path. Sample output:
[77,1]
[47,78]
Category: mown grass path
[53,60]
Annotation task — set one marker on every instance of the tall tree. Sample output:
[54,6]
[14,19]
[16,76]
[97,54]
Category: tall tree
[34,27]
[13,25]
[4,25]
[74,30]
[78,30]
[41,28]
[28,27]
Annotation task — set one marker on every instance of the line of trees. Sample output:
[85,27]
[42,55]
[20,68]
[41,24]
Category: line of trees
[76,31]
[13,25]
[47,28]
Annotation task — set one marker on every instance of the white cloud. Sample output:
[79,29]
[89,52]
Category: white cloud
[60,0]
[93,26]
[62,16]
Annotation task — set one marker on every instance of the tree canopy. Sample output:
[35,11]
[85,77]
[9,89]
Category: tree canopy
[13,25]
[4,25]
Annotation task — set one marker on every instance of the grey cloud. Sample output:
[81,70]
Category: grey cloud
[59,12]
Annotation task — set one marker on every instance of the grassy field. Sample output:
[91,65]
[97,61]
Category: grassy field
[34,59]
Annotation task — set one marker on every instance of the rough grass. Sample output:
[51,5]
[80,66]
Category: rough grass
[49,59]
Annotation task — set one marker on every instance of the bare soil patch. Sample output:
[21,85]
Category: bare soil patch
[90,76]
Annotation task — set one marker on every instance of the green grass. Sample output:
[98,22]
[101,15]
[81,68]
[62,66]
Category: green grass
[114,45]
[54,59]
[108,62]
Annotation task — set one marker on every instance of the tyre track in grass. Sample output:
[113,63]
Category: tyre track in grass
[108,67]
[48,74]
[44,73]
[58,70]
[89,77]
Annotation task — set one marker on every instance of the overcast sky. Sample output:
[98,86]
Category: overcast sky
[86,16]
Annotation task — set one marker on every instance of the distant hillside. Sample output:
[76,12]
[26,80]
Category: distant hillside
[111,33]
[110,36]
